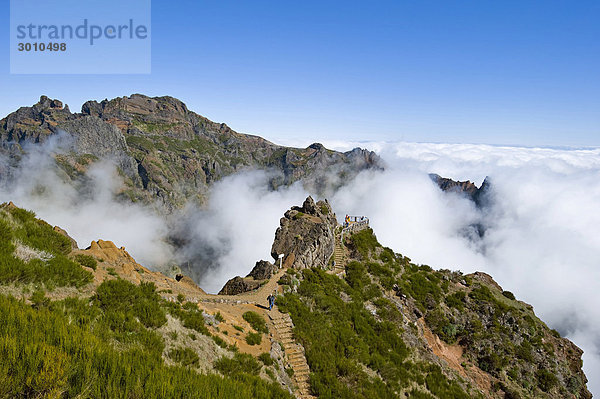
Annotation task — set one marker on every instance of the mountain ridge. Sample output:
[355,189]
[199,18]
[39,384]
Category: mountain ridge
[167,153]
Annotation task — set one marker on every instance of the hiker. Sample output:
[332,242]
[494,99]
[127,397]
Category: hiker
[271,300]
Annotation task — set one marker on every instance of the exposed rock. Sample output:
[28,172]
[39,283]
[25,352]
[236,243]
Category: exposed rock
[306,235]
[263,270]
[470,190]
[169,154]
[238,285]
[64,233]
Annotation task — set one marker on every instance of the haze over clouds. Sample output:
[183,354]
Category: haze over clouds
[541,240]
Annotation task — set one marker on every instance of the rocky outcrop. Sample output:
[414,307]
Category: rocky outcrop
[470,190]
[305,238]
[238,285]
[263,270]
[306,235]
[169,154]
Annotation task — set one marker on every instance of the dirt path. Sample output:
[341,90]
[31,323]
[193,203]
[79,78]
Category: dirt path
[453,356]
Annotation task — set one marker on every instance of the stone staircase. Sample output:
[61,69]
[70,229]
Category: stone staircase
[339,255]
[294,353]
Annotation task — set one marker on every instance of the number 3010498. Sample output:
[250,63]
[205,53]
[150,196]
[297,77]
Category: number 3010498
[42,46]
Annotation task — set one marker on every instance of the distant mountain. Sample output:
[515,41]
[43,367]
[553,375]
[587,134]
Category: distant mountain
[470,190]
[168,153]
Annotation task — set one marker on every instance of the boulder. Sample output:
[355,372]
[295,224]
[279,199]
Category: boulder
[238,285]
[263,270]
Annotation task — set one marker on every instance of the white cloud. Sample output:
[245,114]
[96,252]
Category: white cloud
[91,213]
[237,228]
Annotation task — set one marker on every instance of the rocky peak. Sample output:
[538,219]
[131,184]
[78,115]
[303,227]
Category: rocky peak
[305,238]
[137,104]
[467,188]
[306,235]
[34,123]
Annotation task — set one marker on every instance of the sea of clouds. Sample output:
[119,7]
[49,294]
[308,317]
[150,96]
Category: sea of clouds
[542,240]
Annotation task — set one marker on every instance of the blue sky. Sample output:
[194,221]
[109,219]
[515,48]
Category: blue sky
[510,72]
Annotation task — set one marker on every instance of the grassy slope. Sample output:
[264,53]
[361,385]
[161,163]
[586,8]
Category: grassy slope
[355,353]
[105,346]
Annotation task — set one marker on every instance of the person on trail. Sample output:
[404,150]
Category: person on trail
[271,300]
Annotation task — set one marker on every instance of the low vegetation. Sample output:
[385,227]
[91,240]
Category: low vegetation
[46,260]
[256,321]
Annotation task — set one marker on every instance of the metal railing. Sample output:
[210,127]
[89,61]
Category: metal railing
[352,224]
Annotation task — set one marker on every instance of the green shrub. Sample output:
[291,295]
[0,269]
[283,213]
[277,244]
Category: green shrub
[364,242]
[219,341]
[185,356]
[38,234]
[266,359]
[39,299]
[219,317]
[298,215]
[339,337]
[140,301]
[68,352]
[86,260]
[112,272]
[241,363]
[545,379]
[253,338]
[256,321]
[456,300]
[194,320]
[509,295]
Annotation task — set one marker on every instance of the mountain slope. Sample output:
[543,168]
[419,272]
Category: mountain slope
[168,153]
[379,326]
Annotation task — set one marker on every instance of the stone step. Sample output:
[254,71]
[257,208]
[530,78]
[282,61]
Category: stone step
[301,363]
[283,325]
[301,372]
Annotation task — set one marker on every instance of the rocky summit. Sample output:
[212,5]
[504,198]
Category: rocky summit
[466,188]
[168,154]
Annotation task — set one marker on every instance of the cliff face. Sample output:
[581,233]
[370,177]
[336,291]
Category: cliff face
[169,153]
[467,188]
[306,235]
